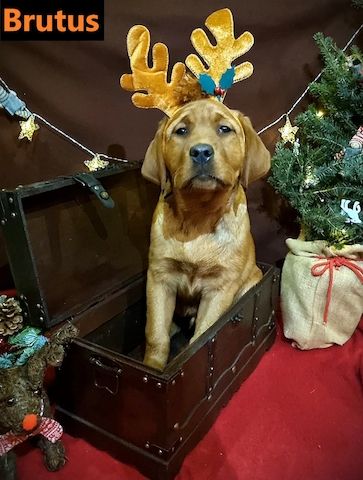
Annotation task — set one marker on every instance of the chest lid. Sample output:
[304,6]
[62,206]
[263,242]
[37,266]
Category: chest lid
[72,241]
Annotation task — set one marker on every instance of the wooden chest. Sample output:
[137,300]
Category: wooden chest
[77,248]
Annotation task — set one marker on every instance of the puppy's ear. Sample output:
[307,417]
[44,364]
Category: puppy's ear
[153,167]
[257,160]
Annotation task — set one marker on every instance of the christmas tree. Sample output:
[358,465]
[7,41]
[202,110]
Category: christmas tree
[318,167]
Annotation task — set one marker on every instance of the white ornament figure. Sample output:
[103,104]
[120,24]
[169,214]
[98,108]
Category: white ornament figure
[296,148]
[353,213]
[357,140]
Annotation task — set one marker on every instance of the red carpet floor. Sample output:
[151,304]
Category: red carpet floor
[298,417]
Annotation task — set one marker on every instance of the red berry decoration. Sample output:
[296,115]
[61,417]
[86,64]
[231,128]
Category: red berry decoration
[219,92]
[4,346]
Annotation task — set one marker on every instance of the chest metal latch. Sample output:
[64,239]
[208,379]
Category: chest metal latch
[88,180]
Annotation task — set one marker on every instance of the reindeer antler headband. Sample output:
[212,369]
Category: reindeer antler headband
[214,79]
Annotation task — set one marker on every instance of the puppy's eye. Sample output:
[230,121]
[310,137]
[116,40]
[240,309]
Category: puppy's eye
[181,131]
[38,391]
[224,129]
[10,401]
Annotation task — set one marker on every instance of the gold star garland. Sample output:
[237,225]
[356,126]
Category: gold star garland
[288,132]
[96,163]
[28,128]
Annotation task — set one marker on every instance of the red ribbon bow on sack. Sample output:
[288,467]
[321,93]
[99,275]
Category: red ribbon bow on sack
[330,264]
[48,427]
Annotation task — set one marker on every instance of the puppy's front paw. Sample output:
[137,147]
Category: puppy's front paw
[194,338]
[156,355]
[198,332]
[155,363]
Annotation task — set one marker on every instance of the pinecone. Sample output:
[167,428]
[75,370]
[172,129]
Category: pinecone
[11,319]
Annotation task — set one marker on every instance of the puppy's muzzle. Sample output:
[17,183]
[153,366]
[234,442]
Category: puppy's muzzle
[201,154]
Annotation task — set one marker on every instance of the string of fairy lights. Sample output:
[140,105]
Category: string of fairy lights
[10,102]
[288,131]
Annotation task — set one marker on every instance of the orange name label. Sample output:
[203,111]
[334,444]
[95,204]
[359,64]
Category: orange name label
[75,20]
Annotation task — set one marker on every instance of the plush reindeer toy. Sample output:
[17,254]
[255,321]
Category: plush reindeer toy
[24,407]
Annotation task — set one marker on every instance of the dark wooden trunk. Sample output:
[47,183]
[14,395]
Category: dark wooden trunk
[73,259]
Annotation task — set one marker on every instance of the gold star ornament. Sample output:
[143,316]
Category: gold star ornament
[28,127]
[96,163]
[288,132]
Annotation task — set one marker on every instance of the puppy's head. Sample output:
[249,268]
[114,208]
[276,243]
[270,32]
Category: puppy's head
[206,145]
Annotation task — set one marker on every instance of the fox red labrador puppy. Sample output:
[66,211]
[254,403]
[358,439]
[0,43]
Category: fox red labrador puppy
[202,255]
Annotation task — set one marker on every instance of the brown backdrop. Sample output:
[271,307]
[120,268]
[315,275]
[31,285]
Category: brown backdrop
[75,85]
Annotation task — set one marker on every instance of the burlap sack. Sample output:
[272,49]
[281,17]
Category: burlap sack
[321,293]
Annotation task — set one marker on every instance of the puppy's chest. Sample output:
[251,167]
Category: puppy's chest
[194,264]
[190,269]
[194,259]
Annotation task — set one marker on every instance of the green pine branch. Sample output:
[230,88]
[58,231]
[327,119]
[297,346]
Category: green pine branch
[316,176]
[357,3]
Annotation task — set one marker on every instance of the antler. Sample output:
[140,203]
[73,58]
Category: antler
[227,49]
[51,353]
[160,94]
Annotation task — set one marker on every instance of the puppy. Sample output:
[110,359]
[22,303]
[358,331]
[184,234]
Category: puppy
[202,255]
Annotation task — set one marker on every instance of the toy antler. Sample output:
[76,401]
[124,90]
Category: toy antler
[215,79]
[220,56]
[160,94]
[52,353]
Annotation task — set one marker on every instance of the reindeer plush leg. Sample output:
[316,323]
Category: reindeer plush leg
[51,354]
[54,453]
[8,466]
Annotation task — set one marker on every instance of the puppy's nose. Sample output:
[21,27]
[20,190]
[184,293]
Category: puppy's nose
[201,153]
